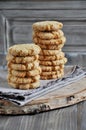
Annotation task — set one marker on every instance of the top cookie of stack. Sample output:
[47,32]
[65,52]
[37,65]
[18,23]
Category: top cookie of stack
[49,36]
[23,66]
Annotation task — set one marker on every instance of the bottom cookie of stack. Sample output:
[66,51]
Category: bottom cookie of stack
[25,86]
[25,82]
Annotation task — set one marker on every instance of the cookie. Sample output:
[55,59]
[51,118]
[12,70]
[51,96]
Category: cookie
[19,80]
[23,74]
[43,77]
[19,60]
[50,52]
[24,49]
[47,26]
[53,63]
[25,86]
[48,35]
[57,72]
[50,47]
[51,57]
[50,42]
[26,66]
[34,72]
[51,68]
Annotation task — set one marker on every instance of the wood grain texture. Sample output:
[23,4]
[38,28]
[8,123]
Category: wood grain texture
[83,116]
[70,118]
[16,19]
[2,37]
[61,119]
[39,4]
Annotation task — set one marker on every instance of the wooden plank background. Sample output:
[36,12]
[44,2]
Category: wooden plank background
[17,17]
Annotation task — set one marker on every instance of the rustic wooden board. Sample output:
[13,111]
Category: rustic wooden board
[69,95]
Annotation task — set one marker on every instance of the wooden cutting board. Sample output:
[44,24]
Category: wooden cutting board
[69,95]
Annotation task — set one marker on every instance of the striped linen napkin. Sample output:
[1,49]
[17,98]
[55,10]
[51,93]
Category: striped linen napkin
[21,97]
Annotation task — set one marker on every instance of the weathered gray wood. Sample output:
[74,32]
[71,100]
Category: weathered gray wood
[16,21]
[2,37]
[3,48]
[18,32]
[83,116]
[76,58]
[19,29]
[63,119]
[75,34]
[70,118]
[52,14]
[39,4]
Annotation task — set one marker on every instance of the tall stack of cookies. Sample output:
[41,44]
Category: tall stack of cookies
[23,66]
[49,36]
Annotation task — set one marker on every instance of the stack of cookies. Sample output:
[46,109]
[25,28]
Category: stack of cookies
[49,36]
[23,66]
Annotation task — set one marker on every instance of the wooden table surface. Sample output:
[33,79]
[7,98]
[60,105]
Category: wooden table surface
[69,118]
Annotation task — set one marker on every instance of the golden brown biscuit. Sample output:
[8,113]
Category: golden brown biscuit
[47,26]
[53,63]
[51,76]
[19,80]
[34,72]
[25,59]
[23,74]
[51,68]
[25,86]
[17,73]
[26,66]
[24,49]
[57,72]
[48,35]
[58,41]
[50,52]
[50,47]
[53,57]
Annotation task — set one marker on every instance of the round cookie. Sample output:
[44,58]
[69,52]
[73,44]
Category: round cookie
[17,73]
[24,49]
[18,60]
[50,47]
[48,35]
[34,72]
[50,42]
[26,66]
[53,63]
[19,80]
[23,74]
[45,73]
[51,57]
[25,86]
[47,26]
[50,52]
[51,76]
[51,68]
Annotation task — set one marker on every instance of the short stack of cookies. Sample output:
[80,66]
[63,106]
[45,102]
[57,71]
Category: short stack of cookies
[23,66]
[49,36]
